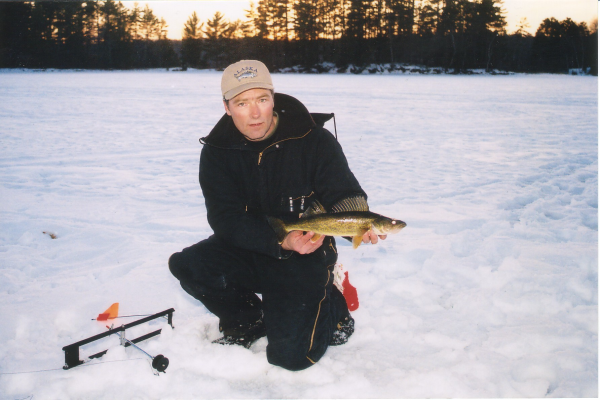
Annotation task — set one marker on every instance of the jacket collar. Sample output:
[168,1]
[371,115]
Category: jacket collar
[294,121]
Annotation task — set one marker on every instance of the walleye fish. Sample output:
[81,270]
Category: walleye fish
[350,217]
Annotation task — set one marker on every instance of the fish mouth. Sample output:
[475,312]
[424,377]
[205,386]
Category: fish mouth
[396,226]
[400,224]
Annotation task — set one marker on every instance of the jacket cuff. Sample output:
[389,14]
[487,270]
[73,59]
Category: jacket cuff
[282,253]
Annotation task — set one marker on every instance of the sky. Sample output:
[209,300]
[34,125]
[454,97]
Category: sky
[177,12]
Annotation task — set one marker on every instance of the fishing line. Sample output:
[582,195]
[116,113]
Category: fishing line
[129,316]
[61,369]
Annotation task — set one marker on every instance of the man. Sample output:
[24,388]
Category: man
[268,156]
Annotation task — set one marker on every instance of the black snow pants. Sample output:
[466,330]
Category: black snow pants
[300,304]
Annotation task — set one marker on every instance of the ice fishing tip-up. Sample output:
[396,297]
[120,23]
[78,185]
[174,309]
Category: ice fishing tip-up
[159,362]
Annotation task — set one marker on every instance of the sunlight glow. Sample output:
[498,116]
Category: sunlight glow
[176,13]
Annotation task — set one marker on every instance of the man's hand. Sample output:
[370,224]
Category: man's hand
[301,243]
[370,237]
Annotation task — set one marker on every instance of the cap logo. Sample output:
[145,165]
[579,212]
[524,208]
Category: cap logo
[246,72]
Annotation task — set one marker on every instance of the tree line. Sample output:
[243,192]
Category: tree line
[99,35]
[456,35]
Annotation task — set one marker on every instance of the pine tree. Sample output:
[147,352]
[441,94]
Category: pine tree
[215,46]
[216,27]
[429,12]
[235,29]
[262,20]
[135,17]
[305,22]
[149,24]
[357,19]
[280,20]
[192,29]
[252,17]
[191,48]
[16,36]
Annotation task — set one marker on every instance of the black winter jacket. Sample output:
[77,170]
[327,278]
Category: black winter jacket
[243,182]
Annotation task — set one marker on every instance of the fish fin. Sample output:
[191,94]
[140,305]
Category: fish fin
[279,228]
[314,209]
[357,239]
[357,203]
[316,237]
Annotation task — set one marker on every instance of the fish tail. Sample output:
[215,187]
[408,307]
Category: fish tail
[279,228]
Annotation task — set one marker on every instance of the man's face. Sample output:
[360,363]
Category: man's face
[252,113]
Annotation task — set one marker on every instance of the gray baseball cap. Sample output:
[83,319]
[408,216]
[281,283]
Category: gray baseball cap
[245,75]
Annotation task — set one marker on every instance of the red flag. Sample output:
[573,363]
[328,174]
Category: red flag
[350,294]
[111,313]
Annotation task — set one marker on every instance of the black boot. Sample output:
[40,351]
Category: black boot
[242,335]
[345,329]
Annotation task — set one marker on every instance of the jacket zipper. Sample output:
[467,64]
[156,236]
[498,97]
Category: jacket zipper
[273,144]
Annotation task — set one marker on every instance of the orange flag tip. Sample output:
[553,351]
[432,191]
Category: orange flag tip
[111,313]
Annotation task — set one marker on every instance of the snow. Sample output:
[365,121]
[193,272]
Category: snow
[490,291]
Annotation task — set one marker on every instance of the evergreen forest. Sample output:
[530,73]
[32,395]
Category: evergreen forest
[454,35]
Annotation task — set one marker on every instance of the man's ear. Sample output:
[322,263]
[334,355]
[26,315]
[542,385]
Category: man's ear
[226,108]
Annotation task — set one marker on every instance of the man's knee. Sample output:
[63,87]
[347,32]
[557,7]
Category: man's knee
[187,262]
[297,347]
[175,264]
[292,360]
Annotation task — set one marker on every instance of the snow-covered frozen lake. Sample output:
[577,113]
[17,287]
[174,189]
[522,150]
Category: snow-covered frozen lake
[490,291]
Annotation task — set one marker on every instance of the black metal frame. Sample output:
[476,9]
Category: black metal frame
[72,350]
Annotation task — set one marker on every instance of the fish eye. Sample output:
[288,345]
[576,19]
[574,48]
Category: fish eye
[393,222]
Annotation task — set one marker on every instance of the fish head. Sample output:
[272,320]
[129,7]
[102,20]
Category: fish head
[387,226]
